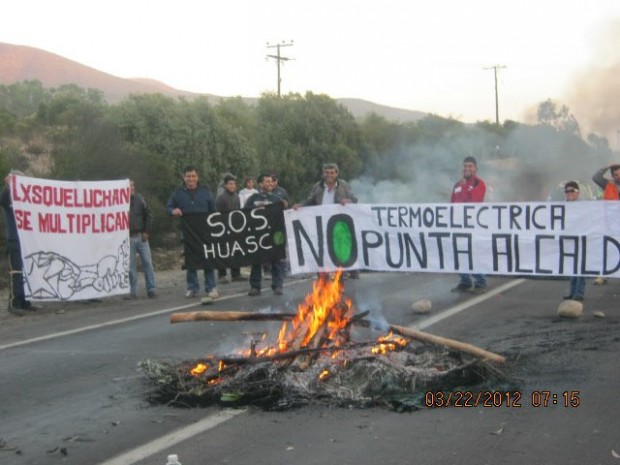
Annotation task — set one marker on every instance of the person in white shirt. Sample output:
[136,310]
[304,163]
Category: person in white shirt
[247,191]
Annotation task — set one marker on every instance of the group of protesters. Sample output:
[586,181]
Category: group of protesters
[193,197]
[189,198]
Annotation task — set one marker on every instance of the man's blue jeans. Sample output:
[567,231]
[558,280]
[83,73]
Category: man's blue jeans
[142,248]
[194,285]
[577,287]
[277,275]
[479,280]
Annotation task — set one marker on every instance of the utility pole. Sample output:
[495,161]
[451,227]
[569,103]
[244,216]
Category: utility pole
[279,58]
[495,68]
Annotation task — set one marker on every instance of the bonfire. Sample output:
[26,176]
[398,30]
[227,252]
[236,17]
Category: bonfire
[315,359]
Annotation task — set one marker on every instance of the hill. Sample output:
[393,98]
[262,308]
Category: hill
[19,63]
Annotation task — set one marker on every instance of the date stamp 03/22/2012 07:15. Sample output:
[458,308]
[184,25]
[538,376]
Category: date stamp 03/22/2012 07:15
[496,399]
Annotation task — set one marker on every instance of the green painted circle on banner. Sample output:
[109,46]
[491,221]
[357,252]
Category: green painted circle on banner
[342,241]
[278,238]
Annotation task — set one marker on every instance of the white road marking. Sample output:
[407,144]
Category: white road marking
[465,305]
[69,332]
[169,440]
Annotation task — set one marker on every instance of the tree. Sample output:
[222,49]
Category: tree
[558,118]
[296,135]
[600,146]
[23,99]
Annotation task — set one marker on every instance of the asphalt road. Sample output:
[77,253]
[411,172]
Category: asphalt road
[71,391]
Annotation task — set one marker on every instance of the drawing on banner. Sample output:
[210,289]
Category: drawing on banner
[59,278]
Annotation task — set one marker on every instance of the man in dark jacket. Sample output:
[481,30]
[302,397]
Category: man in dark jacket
[329,191]
[17,302]
[191,197]
[265,197]
[227,201]
[140,222]
[281,192]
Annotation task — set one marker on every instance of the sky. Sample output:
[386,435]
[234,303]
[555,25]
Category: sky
[433,56]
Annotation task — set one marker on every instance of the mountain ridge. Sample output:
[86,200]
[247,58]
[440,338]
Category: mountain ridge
[21,63]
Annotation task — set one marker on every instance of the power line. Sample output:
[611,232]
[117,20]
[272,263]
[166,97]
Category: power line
[279,58]
[495,68]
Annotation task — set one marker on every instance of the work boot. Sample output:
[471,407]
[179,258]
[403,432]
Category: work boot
[16,311]
[22,305]
[254,292]
[461,288]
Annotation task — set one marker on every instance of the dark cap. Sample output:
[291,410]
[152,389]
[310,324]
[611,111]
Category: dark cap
[572,185]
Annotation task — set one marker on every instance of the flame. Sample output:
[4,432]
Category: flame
[324,311]
[199,369]
[389,343]
[322,322]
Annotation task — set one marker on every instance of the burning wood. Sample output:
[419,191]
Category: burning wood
[356,319]
[315,358]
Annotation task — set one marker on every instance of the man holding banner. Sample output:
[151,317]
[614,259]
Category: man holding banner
[577,286]
[228,201]
[470,188]
[262,199]
[17,302]
[189,199]
[329,191]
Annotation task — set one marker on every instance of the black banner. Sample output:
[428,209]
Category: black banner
[234,239]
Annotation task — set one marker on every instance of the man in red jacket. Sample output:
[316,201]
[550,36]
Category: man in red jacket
[470,188]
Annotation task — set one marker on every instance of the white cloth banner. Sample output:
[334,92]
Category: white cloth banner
[74,237]
[544,239]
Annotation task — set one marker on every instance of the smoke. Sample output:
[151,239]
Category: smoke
[527,164]
[417,173]
[592,96]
